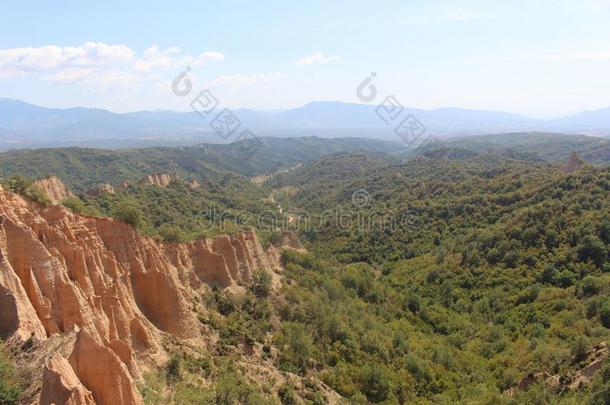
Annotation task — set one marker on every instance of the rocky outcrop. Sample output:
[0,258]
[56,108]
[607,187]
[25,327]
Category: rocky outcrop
[60,385]
[159,179]
[596,359]
[120,292]
[101,189]
[54,189]
[290,240]
[574,380]
[573,164]
[193,184]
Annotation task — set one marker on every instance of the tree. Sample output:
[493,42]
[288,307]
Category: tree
[261,283]
[604,315]
[171,233]
[413,303]
[592,248]
[298,348]
[375,383]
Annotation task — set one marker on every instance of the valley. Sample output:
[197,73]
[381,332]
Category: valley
[462,274]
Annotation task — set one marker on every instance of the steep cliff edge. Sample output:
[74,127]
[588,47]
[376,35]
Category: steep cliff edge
[93,297]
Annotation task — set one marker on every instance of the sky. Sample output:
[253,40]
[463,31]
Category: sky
[539,58]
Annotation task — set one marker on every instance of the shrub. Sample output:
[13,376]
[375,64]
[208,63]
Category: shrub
[565,279]
[171,233]
[173,369]
[298,348]
[590,286]
[604,315]
[76,205]
[129,213]
[10,383]
[592,248]
[579,349]
[413,303]
[375,383]
[287,395]
[261,283]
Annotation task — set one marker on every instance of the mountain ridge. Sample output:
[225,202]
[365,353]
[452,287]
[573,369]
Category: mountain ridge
[28,125]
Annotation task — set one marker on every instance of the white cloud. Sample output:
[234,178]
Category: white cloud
[238,80]
[95,62]
[154,58]
[26,60]
[70,75]
[317,58]
[450,15]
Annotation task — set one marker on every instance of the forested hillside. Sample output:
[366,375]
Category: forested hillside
[83,168]
[450,278]
[464,278]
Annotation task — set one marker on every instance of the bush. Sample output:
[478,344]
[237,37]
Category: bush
[232,389]
[592,248]
[590,286]
[287,395]
[565,279]
[375,383]
[173,369]
[129,213]
[10,383]
[261,284]
[299,348]
[76,205]
[579,349]
[171,233]
[413,303]
[604,315]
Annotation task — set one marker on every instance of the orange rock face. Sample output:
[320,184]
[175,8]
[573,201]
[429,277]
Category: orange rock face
[102,189]
[120,291]
[54,189]
[194,184]
[61,385]
[159,179]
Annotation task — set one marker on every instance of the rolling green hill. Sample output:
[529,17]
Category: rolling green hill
[549,147]
[83,168]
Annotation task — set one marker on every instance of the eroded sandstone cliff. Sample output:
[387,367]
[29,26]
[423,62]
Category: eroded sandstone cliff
[159,179]
[54,189]
[94,296]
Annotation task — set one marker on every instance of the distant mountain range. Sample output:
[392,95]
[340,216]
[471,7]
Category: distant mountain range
[27,125]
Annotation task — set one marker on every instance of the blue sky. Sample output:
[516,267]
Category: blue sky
[540,58]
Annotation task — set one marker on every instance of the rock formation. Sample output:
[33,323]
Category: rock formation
[60,385]
[97,297]
[101,189]
[290,240]
[193,184]
[573,164]
[574,380]
[159,179]
[54,189]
